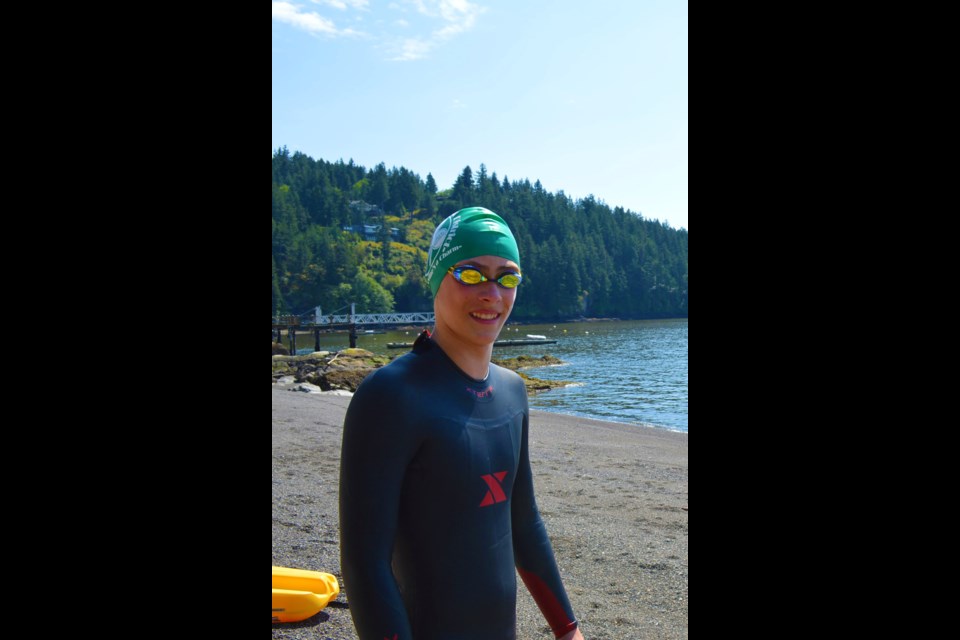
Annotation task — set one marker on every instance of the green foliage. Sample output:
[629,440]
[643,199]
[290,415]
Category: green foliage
[368,295]
[579,258]
[278,305]
[419,235]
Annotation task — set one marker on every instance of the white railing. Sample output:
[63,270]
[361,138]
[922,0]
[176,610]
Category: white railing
[413,317]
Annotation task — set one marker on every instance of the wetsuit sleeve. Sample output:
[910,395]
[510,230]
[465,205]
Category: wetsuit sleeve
[377,447]
[533,553]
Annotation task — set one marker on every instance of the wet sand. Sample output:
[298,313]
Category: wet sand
[613,498]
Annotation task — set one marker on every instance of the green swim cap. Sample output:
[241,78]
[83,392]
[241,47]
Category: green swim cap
[468,233]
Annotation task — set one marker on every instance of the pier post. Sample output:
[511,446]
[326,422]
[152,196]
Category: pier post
[353,326]
[292,336]
[316,338]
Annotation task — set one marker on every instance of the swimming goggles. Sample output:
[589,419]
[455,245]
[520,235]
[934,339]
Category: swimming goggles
[470,275]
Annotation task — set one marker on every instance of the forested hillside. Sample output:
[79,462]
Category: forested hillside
[579,258]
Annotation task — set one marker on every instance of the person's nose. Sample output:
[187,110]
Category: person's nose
[490,291]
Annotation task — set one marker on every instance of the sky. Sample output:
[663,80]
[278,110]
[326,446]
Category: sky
[589,98]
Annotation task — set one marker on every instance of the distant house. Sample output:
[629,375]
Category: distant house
[365,208]
[370,231]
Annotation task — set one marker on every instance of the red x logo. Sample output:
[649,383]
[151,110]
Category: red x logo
[495,494]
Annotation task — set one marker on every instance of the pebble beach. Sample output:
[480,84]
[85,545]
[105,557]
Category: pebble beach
[613,498]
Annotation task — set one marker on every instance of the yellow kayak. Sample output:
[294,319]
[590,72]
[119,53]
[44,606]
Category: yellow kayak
[300,593]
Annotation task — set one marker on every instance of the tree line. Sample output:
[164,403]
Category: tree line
[346,234]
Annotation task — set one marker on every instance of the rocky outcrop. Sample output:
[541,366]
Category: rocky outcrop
[534,385]
[329,370]
[344,370]
[527,362]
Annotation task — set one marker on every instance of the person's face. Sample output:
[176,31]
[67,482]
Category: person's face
[476,313]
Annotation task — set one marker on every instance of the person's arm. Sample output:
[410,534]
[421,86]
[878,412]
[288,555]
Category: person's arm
[375,453]
[533,553]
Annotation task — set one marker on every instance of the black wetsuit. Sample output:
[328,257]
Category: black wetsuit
[437,505]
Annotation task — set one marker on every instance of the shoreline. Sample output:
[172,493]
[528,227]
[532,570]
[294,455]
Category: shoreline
[509,323]
[315,390]
[612,495]
[633,425]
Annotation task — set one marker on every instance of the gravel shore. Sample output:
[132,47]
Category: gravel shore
[613,497]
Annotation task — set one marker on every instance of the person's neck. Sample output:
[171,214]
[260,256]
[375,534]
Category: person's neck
[473,360]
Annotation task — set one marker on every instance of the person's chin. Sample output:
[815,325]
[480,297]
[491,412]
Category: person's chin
[486,335]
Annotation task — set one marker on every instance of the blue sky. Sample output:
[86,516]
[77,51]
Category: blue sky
[587,97]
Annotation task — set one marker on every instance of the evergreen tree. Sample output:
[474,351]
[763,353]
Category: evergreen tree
[414,294]
[405,190]
[378,191]
[385,241]
[278,306]
[578,257]
[464,193]
[428,198]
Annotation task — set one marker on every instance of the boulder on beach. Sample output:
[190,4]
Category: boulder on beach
[354,352]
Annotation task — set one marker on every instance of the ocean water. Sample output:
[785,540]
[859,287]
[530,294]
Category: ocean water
[633,372]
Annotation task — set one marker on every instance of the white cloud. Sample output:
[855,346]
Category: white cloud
[458,16]
[454,10]
[311,22]
[440,21]
[412,49]
[343,4]
[452,29]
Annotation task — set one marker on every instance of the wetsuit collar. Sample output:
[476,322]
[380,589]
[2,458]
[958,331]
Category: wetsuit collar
[425,342]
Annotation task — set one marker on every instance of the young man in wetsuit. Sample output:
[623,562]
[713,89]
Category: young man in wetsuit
[437,508]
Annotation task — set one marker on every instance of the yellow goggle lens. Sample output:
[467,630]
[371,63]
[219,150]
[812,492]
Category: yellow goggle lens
[469,275]
[509,280]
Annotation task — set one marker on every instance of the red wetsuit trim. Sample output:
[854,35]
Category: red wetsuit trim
[553,610]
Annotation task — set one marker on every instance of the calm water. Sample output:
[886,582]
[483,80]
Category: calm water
[633,372]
